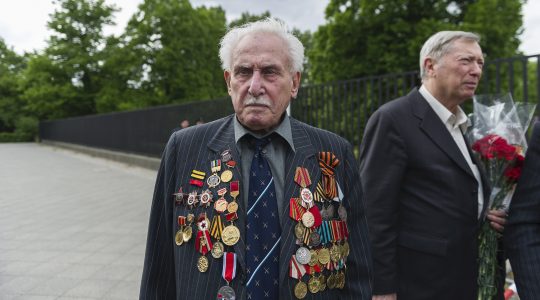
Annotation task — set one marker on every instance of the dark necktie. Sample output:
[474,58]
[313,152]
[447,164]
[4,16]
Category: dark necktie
[263,230]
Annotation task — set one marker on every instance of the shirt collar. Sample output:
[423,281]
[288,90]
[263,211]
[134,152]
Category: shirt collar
[447,117]
[283,129]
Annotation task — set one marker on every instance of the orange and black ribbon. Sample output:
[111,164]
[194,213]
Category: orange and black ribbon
[328,162]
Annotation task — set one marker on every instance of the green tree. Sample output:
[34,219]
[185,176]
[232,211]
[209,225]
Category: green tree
[64,80]
[375,37]
[11,66]
[168,54]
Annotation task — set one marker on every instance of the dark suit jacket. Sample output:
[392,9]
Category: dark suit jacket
[522,235]
[421,202]
[170,271]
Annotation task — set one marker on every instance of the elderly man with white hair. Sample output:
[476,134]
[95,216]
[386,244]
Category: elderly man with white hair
[258,205]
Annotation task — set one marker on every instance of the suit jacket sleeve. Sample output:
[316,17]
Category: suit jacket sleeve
[158,278]
[383,161]
[359,263]
[522,236]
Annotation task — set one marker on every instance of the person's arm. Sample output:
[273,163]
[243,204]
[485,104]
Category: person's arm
[383,162]
[359,262]
[522,234]
[158,278]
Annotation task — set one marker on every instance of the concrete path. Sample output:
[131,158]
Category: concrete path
[71,226]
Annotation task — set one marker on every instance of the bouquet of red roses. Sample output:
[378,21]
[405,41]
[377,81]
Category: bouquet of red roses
[498,141]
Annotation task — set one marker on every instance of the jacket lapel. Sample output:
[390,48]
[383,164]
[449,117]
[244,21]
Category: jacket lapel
[303,156]
[432,126]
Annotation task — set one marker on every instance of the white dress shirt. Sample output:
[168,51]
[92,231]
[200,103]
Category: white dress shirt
[456,125]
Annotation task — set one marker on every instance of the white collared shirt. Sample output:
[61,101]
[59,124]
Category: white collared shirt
[456,125]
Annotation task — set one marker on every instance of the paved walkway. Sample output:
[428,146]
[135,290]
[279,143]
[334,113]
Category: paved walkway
[71,226]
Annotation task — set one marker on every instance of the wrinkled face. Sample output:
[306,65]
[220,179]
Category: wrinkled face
[455,77]
[260,82]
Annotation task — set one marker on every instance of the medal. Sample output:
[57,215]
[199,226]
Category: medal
[234,186]
[187,233]
[296,271]
[179,236]
[180,197]
[307,219]
[314,258]
[202,264]
[226,155]
[217,250]
[192,200]
[335,254]
[303,255]
[324,256]
[314,239]
[226,176]
[228,273]
[203,243]
[299,230]
[342,212]
[314,284]
[213,181]
[206,198]
[322,282]
[231,234]
[221,204]
[300,290]
[301,177]
[331,281]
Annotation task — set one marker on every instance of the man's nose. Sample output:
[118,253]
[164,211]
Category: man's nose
[255,86]
[476,69]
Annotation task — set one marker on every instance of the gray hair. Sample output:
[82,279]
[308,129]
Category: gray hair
[268,25]
[439,44]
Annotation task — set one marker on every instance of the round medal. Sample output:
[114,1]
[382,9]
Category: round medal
[322,281]
[314,239]
[303,255]
[230,235]
[345,249]
[300,290]
[324,256]
[178,237]
[202,264]
[187,233]
[232,207]
[213,180]
[313,285]
[307,198]
[217,249]
[206,197]
[308,219]
[342,212]
[226,176]
[226,293]
[335,254]
[299,230]
[314,258]
[331,281]
[220,205]
[340,284]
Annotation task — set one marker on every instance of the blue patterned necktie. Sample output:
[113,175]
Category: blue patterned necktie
[263,230]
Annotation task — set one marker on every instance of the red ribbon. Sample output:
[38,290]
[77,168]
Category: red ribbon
[295,209]
[196,182]
[316,216]
[296,270]
[229,266]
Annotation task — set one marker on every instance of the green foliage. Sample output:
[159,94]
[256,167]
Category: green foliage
[246,17]
[384,36]
[11,65]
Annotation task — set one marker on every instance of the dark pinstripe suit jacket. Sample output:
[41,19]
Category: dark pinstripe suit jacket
[170,271]
[522,234]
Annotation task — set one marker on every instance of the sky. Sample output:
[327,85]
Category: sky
[23,23]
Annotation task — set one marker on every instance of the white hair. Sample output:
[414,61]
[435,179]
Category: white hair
[269,25]
[439,44]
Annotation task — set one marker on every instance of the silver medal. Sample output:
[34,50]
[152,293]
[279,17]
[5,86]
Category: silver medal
[226,293]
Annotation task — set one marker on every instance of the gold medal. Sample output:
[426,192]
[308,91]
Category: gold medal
[324,256]
[345,250]
[217,249]
[299,230]
[230,235]
[334,253]
[202,264]
[331,281]
[220,205]
[232,207]
[341,282]
[300,290]
[314,258]
[313,284]
[322,283]
[187,233]
[308,219]
[226,176]
[178,237]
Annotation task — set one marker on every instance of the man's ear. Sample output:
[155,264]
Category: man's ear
[429,66]
[296,84]
[227,76]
